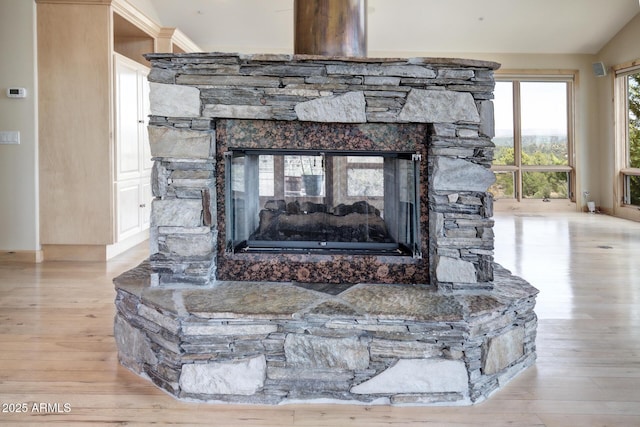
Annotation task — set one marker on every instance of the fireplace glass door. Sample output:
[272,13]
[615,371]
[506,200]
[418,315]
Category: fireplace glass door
[325,202]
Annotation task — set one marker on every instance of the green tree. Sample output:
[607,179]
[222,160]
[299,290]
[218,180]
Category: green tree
[544,185]
[535,185]
[503,187]
[503,156]
[633,81]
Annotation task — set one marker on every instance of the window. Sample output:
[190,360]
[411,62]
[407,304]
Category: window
[628,135]
[533,158]
[365,176]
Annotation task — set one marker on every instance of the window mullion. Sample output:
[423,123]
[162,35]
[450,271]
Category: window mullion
[517,140]
[571,146]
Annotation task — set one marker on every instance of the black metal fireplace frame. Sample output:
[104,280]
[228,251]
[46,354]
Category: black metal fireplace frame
[412,248]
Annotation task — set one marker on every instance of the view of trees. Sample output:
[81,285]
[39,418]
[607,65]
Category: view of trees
[551,150]
[536,150]
[541,118]
[633,81]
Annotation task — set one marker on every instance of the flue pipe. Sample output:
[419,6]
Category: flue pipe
[330,27]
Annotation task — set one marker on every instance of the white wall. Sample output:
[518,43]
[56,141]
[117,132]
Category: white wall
[147,8]
[18,163]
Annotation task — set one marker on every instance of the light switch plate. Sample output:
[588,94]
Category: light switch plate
[10,137]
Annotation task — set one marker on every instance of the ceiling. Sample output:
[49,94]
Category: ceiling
[425,27]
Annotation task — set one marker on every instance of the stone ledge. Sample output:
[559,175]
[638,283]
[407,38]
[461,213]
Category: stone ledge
[261,57]
[263,300]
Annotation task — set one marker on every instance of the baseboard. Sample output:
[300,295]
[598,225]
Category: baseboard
[535,205]
[606,211]
[33,257]
[75,252]
[126,244]
[92,252]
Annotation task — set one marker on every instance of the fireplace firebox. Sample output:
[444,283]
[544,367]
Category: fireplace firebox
[323,202]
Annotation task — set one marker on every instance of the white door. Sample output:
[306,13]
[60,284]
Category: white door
[129,202]
[128,156]
[132,151]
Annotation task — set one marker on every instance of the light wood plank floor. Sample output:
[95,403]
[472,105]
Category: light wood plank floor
[56,343]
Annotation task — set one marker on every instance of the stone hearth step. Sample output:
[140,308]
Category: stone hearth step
[261,342]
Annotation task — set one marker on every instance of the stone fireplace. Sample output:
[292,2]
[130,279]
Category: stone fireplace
[322,229]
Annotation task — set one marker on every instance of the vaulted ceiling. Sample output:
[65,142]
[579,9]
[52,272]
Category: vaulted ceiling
[419,26]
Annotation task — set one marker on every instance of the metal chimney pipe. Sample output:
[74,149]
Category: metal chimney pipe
[330,27]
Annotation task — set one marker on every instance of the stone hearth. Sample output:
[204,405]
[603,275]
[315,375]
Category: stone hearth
[256,342]
[444,325]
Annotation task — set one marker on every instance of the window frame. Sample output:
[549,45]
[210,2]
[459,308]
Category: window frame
[570,78]
[621,111]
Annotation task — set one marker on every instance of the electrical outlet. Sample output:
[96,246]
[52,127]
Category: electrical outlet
[9,137]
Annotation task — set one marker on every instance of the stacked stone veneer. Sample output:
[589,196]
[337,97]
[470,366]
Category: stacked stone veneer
[450,328]
[193,94]
[253,342]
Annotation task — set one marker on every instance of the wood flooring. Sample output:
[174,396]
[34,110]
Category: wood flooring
[58,362]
